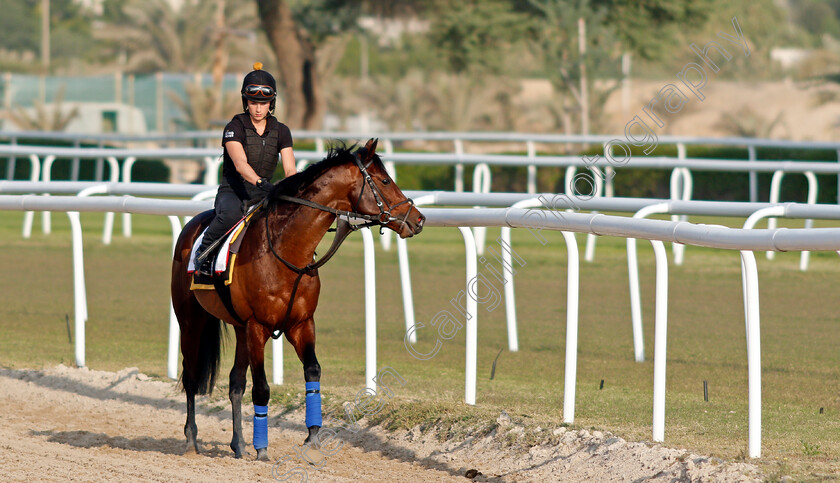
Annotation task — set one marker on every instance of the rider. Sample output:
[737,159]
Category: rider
[252,141]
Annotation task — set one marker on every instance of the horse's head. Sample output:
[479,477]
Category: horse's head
[380,196]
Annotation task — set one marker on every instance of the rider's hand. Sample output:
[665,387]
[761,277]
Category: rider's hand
[265,185]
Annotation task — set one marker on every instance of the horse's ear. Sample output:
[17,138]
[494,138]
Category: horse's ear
[370,146]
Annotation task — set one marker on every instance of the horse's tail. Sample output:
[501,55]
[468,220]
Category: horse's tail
[206,367]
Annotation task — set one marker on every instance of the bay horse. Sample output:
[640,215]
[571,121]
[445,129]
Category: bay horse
[275,286]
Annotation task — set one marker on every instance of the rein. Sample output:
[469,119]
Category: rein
[343,228]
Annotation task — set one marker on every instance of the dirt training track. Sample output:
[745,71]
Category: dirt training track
[68,424]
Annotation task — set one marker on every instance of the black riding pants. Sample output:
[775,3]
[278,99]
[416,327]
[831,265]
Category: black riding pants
[229,210]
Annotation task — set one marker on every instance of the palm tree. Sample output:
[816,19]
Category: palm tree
[157,37]
[44,118]
[202,106]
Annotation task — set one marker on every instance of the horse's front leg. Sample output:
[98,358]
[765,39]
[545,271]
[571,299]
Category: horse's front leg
[257,337]
[302,338]
[237,389]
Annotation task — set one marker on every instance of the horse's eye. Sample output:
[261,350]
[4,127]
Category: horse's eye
[386,181]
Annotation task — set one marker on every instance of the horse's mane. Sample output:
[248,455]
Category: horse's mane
[336,155]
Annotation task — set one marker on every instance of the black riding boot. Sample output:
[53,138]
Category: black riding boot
[203,267]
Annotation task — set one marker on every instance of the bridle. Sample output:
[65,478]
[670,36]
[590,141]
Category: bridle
[343,227]
[385,208]
[383,218]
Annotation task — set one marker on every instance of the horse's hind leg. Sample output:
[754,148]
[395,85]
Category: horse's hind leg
[302,337]
[237,388]
[190,428]
[200,344]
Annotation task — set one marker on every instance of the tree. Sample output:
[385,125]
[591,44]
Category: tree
[295,31]
[295,55]
[474,34]
[70,32]
[573,66]
[308,36]
[44,117]
[649,28]
[154,36]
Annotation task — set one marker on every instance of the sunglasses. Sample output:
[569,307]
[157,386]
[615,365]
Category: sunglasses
[255,90]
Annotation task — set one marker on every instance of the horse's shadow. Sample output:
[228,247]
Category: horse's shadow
[364,439]
[170,446]
[59,383]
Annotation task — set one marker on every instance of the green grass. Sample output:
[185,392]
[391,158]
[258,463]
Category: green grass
[128,296]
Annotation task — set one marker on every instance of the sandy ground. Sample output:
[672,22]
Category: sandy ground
[69,424]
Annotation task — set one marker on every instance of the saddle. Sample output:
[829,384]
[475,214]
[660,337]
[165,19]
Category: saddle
[223,259]
[223,266]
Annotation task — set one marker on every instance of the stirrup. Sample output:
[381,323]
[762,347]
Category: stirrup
[205,267]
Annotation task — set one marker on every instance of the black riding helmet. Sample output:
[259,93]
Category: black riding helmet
[259,86]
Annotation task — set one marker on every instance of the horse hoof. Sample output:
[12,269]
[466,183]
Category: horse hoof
[237,450]
[311,442]
[192,449]
[262,454]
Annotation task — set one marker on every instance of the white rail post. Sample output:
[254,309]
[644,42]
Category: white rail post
[79,292]
[211,170]
[753,351]
[609,172]
[754,176]
[46,219]
[34,175]
[751,221]
[598,191]
[108,224]
[532,168]
[277,361]
[749,280]
[12,160]
[838,179]
[775,194]
[775,189]
[572,297]
[174,329]
[569,180]
[405,277]
[507,278]
[809,223]
[633,273]
[405,283]
[459,167]
[385,237]
[682,185]
[660,340]
[572,304]
[472,318]
[126,175]
[481,184]
[100,190]
[572,309]
[370,310]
